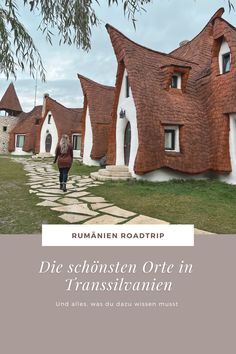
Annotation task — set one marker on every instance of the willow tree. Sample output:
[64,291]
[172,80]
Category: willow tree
[70,21]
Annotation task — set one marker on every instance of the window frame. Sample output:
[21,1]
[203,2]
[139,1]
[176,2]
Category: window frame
[174,131]
[17,144]
[76,136]
[173,83]
[178,77]
[127,87]
[225,63]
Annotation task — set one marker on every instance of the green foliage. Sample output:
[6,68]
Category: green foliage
[70,20]
[17,49]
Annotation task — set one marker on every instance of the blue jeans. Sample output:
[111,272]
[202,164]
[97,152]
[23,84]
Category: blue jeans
[63,174]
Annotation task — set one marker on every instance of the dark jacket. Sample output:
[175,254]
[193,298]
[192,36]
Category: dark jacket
[64,160]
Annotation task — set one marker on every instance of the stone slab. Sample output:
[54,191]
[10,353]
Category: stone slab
[52,199]
[48,203]
[48,195]
[36,186]
[97,206]
[49,184]
[52,191]
[105,219]
[76,178]
[77,194]
[33,183]
[79,189]
[32,191]
[142,219]
[73,218]
[93,199]
[114,210]
[86,180]
[69,201]
[76,208]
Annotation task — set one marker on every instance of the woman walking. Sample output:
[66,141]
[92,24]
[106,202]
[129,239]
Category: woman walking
[64,159]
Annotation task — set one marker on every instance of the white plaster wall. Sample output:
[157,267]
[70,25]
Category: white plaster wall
[52,129]
[88,142]
[231,177]
[223,50]
[127,104]
[165,174]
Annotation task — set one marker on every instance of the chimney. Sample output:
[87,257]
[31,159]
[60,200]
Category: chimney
[181,44]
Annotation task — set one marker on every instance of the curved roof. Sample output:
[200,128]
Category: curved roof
[27,126]
[197,108]
[67,120]
[99,100]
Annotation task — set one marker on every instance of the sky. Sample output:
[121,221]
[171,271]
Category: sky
[163,25]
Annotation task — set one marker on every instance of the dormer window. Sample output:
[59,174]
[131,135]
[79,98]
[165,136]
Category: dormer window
[127,87]
[225,63]
[176,81]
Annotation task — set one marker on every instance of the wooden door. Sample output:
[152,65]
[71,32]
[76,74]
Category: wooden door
[127,142]
[48,143]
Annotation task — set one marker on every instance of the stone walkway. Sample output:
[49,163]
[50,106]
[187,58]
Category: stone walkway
[77,205]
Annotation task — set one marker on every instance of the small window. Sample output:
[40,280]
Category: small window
[20,139]
[176,81]
[172,138]
[37,121]
[76,142]
[4,128]
[169,139]
[127,87]
[225,63]
[49,118]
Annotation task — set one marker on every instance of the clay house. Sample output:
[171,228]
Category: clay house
[10,115]
[96,120]
[174,115]
[57,120]
[22,138]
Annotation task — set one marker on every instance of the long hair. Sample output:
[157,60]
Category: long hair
[64,143]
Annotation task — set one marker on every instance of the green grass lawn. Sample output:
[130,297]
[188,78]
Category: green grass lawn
[18,210]
[210,205]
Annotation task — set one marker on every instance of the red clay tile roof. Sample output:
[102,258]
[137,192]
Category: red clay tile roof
[67,120]
[27,126]
[10,101]
[199,108]
[99,100]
